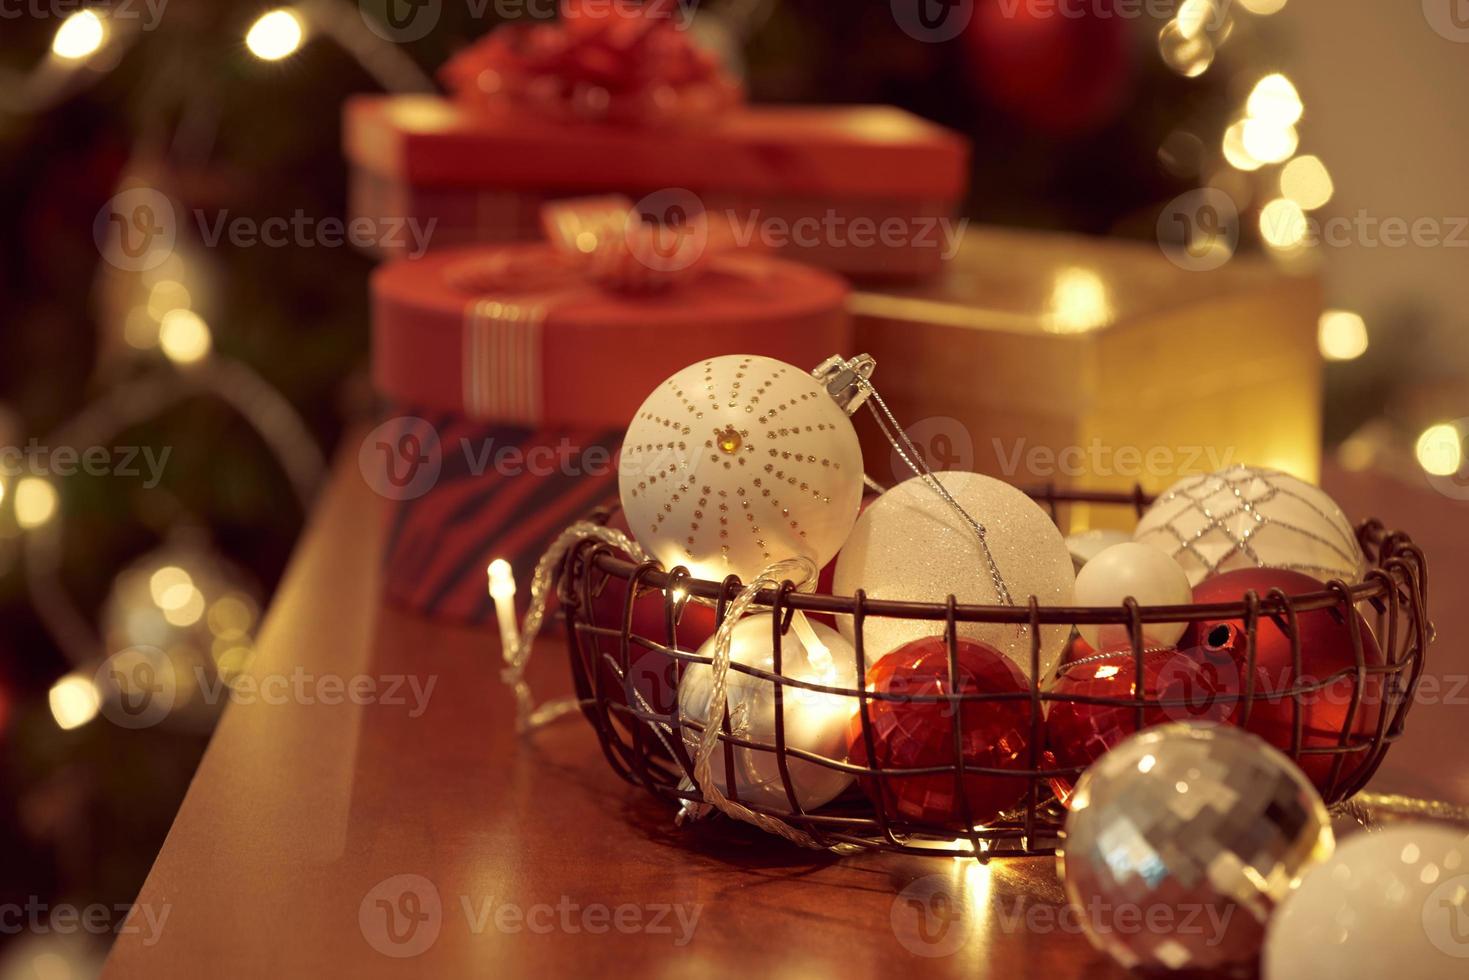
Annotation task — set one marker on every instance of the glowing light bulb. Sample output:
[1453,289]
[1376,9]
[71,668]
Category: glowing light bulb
[1306,181]
[1262,8]
[79,36]
[74,701]
[1283,223]
[1275,101]
[276,35]
[1342,335]
[35,502]
[184,337]
[1440,450]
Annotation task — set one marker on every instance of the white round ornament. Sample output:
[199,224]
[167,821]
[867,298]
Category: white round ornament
[1086,545]
[1245,517]
[737,462]
[1142,572]
[814,721]
[910,545]
[1394,903]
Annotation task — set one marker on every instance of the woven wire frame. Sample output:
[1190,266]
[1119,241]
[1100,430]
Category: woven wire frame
[645,742]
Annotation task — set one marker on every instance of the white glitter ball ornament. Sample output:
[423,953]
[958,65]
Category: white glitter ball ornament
[1389,904]
[910,545]
[814,721]
[1244,517]
[1142,572]
[737,462]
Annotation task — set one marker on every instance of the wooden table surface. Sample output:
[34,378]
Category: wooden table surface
[393,839]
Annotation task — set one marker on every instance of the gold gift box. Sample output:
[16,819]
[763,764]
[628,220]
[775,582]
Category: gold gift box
[1055,359]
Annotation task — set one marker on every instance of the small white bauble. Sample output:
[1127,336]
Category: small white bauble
[737,462]
[910,545]
[1142,572]
[1086,545]
[1244,517]
[815,721]
[1388,904]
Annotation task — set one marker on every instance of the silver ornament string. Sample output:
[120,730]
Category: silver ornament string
[913,459]
[802,573]
[543,581]
[1366,808]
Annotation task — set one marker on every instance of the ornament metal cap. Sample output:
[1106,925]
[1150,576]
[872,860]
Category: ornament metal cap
[843,379]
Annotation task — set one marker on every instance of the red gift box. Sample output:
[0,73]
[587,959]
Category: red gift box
[518,368]
[867,191]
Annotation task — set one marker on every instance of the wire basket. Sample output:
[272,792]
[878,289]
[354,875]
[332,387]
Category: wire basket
[613,641]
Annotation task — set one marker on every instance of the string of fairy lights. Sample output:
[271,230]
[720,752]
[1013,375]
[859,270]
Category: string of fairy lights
[1259,159]
[187,597]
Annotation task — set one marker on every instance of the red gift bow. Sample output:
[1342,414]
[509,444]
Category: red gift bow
[602,61]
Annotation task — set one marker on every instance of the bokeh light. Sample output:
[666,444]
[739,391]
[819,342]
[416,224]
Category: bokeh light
[1188,54]
[1306,181]
[74,701]
[1441,449]
[1268,143]
[1235,151]
[1342,335]
[276,35]
[1262,8]
[79,36]
[1275,101]
[1283,223]
[184,337]
[35,501]
[1079,302]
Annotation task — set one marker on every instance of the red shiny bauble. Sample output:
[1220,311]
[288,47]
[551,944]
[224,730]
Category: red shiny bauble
[909,734]
[1193,684]
[1061,76]
[1326,649]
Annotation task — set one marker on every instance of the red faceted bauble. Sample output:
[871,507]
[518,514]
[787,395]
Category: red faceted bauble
[1326,650]
[1060,75]
[909,734]
[1193,684]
